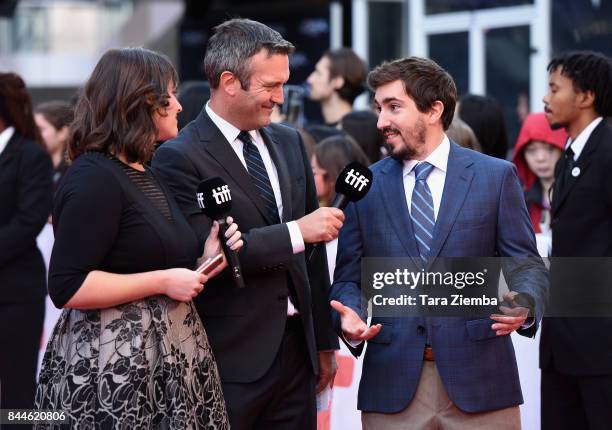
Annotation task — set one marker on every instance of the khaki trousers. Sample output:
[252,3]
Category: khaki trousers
[431,409]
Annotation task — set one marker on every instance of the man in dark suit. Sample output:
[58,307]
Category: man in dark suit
[576,349]
[271,338]
[26,190]
[429,201]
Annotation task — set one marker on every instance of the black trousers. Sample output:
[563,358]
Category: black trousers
[21,326]
[284,398]
[576,402]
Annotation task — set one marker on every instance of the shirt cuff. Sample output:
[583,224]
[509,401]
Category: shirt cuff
[297,241]
[352,343]
[291,309]
[528,323]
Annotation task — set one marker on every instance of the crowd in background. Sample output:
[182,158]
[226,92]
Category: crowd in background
[39,141]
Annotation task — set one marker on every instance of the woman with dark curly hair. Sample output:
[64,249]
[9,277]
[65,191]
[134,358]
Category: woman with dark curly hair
[129,350]
[25,202]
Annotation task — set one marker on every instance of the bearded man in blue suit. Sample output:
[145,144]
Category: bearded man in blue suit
[432,199]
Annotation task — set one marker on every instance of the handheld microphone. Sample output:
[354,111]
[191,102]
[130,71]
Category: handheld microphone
[215,199]
[353,183]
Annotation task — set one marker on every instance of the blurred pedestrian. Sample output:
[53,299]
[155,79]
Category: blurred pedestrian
[331,155]
[485,117]
[462,134]
[536,153]
[361,126]
[53,119]
[26,190]
[191,95]
[338,78]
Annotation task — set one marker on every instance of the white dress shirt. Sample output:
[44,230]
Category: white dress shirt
[439,160]
[581,139]
[5,136]
[231,133]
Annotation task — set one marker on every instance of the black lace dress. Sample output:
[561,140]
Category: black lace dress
[146,364]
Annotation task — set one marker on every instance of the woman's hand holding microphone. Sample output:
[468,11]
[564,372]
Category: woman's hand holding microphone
[184,284]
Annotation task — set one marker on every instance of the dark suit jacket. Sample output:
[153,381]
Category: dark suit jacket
[245,326]
[582,227]
[26,192]
[482,214]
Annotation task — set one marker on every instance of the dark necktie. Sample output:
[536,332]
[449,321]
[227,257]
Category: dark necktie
[565,172]
[421,210]
[259,175]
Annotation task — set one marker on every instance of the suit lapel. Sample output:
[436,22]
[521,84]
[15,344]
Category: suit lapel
[456,186]
[394,200]
[220,149]
[10,149]
[281,169]
[559,168]
[582,164]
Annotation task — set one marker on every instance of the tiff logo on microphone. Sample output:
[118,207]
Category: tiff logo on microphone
[222,194]
[200,198]
[356,180]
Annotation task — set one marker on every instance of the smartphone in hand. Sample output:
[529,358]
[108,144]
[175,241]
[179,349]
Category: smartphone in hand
[209,264]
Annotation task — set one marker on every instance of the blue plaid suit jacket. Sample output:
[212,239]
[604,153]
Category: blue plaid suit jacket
[482,214]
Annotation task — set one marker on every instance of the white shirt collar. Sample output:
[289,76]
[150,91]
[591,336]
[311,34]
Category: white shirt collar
[5,136]
[438,158]
[228,130]
[581,140]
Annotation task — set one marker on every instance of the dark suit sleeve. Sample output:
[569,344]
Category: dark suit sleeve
[35,194]
[522,267]
[180,176]
[318,272]
[346,287]
[263,246]
[607,179]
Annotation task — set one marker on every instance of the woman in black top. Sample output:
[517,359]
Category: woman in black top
[129,349]
[26,192]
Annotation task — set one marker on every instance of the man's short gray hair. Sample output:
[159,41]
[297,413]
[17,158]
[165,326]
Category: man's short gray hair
[234,42]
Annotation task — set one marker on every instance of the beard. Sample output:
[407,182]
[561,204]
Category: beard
[412,140]
[556,125]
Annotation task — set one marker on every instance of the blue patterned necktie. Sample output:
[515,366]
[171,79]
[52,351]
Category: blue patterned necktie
[421,210]
[259,175]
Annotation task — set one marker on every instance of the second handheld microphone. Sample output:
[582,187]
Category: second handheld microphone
[215,199]
[352,184]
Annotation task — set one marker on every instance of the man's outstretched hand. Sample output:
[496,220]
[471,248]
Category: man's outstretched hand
[511,319]
[353,327]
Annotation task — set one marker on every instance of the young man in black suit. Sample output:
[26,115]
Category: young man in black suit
[271,338]
[576,347]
